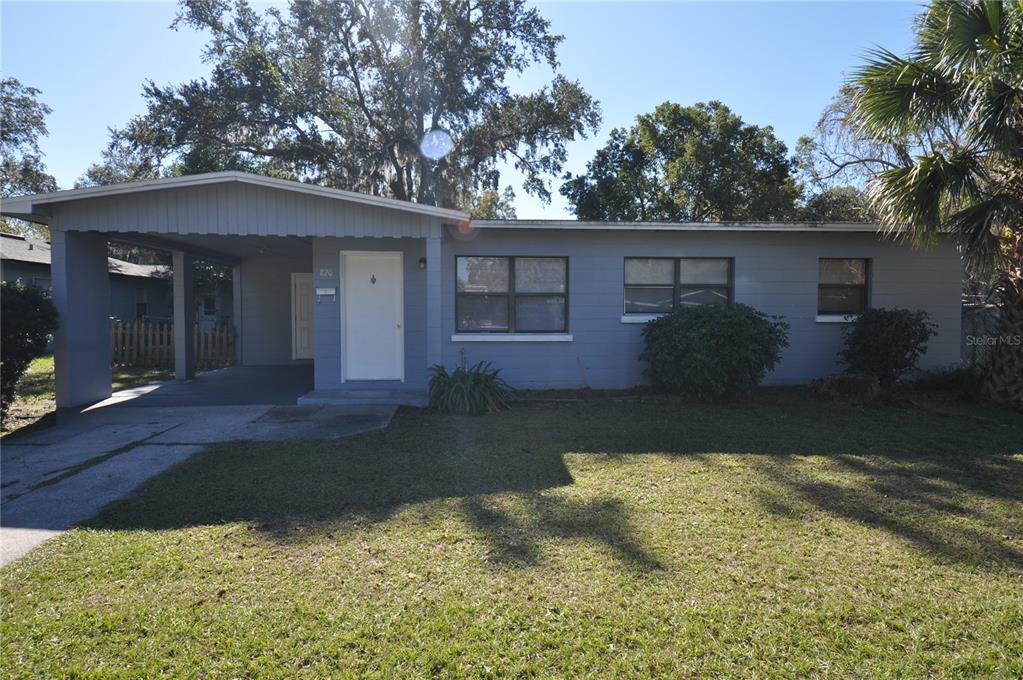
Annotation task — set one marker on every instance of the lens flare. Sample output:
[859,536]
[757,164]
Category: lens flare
[463,230]
[436,144]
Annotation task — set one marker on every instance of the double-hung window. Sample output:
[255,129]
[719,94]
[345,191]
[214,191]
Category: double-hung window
[842,286]
[656,285]
[511,294]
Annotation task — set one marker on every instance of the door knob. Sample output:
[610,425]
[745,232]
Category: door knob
[398,324]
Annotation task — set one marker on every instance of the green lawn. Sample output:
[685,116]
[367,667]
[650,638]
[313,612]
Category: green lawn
[35,403]
[785,537]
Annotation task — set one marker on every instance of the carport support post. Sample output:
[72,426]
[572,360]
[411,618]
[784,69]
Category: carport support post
[81,294]
[184,316]
[433,300]
[236,311]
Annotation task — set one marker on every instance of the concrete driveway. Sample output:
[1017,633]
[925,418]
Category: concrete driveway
[55,478]
[233,386]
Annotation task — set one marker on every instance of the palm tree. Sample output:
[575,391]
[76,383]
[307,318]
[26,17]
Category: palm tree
[959,95]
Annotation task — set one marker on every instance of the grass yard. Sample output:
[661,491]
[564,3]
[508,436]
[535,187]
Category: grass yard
[35,404]
[786,538]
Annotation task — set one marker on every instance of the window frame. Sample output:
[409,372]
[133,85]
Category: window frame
[865,286]
[37,282]
[511,296]
[677,286]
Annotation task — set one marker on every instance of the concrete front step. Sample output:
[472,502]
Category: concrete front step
[354,397]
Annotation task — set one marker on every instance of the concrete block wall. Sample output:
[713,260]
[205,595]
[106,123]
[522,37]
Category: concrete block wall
[266,309]
[776,273]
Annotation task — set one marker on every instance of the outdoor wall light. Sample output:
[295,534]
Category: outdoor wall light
[422,263]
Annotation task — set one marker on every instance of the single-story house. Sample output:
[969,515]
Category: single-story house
[137,291]
[374,291]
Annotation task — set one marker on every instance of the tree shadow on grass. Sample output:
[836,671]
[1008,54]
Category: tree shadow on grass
[297,492]
[950,486]
[945,486]
[515,540]
[954,510]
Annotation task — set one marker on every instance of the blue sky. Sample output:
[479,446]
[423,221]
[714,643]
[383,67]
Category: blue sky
[773,63]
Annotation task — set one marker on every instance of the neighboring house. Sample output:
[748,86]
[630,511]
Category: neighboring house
[375,291]
[137,291]
[215,309]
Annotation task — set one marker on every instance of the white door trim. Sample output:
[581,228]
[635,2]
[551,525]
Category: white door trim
[294,309]
[343,311]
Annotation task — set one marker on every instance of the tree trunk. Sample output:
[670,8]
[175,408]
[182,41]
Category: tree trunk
[1004,370]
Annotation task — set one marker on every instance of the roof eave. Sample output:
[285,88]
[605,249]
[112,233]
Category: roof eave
[679,226]
[26,207]
[23,208]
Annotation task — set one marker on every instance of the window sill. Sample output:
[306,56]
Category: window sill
[512,337]
[836,318]
[639,318]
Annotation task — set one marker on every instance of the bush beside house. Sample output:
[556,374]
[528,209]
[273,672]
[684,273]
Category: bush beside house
[886,343]
[27,319]
[475,391]
[712,351]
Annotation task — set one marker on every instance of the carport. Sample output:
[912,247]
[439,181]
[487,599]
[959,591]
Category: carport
[231,386]
[282,240]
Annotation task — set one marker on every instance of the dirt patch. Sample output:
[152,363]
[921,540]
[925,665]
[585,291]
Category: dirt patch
[29,415]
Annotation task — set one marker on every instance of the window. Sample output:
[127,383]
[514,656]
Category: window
[656,285]
[42,282]
[141,303]
[209,305]
[511,294]
[842,286]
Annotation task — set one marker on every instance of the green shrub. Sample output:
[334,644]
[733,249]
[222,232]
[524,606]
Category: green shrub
[27,319]
[475,391]
[885,343]
[712,351]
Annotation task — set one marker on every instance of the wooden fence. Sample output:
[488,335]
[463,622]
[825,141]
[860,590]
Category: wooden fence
[151,344]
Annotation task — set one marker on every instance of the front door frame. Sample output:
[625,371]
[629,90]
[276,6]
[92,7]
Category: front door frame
[342,293]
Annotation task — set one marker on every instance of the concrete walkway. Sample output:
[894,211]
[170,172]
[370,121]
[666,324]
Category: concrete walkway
[53,479]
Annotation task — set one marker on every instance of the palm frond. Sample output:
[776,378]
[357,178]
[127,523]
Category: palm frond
[996,118]
[920,197]
[959,36]
[898,95]
[978,227]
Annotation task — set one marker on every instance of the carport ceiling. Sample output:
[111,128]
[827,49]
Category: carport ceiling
[229,248]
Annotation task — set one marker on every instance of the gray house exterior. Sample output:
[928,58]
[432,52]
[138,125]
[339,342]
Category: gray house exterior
[374,291]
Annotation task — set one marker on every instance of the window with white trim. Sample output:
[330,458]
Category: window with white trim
[842,285]
[657,285]
[511,294]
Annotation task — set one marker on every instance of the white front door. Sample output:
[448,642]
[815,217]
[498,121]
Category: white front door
[301,316]
[372,316]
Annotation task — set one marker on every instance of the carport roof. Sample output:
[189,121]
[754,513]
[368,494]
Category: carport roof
[31,207]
